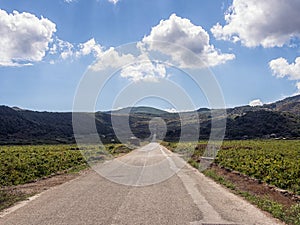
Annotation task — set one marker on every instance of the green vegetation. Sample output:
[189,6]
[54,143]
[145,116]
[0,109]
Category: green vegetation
[190,151]
[23,164]
[7,198]
[289,215]
[275,162]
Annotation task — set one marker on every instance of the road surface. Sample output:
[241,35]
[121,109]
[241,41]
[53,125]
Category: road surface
[150,185]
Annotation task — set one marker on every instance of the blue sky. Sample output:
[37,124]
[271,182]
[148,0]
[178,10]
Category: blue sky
[251,48]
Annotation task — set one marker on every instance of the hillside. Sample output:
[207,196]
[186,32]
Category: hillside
[280,119]
[290,104]
[139,109]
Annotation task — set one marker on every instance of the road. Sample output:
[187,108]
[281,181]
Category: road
[150,185]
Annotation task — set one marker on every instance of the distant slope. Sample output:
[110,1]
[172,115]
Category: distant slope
[29,126]
[263,124]
[139,109]
[279,119]
[290,104]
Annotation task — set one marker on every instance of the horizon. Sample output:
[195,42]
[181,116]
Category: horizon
[146,106]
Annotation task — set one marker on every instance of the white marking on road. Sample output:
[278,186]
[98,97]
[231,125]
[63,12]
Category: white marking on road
[18,205]
[209,213]
[142,171]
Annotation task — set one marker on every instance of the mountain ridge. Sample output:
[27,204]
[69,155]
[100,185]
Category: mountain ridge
[280,119]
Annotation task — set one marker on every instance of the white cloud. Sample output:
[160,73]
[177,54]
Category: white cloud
[298,88]
[105,58]
[144,71]
[171,110]
[175,30]
[181,33]
[113,1]
[65,48]
[89,47]
[68,50]
[112,59]
[256,102]
[24,38]
[134,68]
[268,23]
[281,68]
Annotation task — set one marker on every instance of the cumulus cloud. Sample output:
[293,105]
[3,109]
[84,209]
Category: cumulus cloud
[89,47]
[171,110]
[281,68]
[144,71]
[64,48]
[183,33]
[67,50]
[112,59]
[134,68]
[171,37]
[24,38]
[256,102]
[104,58]
[268,23]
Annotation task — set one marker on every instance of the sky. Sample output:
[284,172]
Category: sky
[175,55]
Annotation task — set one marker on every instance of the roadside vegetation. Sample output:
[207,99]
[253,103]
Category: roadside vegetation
[265,172]
[273,162]
[30,163]
[289,214]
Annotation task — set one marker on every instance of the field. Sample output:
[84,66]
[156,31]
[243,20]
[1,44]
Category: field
[28,163]
[274,162]
[22,164]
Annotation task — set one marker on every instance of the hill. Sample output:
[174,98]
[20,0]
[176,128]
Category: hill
[139,109]
[290,104]
[280,119]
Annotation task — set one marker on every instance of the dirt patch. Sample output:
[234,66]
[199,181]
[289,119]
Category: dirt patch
[253,186]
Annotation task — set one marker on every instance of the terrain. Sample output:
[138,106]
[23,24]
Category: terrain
[148,180]
[247,167]
[276,120]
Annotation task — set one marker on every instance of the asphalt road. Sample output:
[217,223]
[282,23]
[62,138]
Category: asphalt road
[150,185]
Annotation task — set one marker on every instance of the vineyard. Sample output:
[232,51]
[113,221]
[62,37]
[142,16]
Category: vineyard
[23,164]
[275,162]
